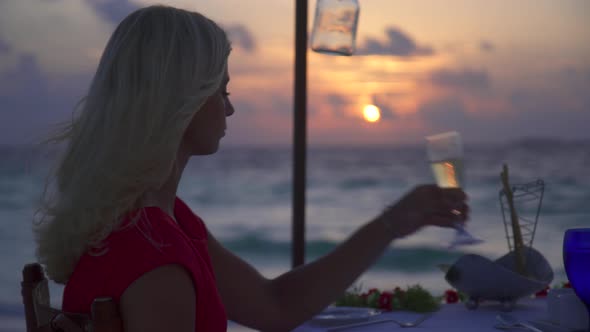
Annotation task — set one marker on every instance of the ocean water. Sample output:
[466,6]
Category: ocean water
[244,196]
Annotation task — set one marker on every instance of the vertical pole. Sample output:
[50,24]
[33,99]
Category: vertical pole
[299,133]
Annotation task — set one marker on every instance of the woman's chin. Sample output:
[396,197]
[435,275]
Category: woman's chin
[208,150]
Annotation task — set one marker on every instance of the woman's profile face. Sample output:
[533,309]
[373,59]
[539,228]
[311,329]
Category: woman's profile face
[208,125]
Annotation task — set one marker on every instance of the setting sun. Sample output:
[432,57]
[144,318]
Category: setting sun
[371,113]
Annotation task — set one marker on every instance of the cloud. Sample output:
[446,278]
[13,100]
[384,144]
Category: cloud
[398,43]
[113,11]
[279,105]
[467,79]
[32,101]
[260,121]
[337,105]
[486,46]
[63,35]
[27,75]
[567,92]
[537,113]
[4,47]
[241,37]
[539,102]
[559,110]
[576,83]
[336,100]
[387,111]
[444,114]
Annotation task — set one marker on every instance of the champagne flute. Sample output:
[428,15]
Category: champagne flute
[576,260]
[445,153]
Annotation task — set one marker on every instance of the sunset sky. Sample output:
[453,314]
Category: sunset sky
[492,70]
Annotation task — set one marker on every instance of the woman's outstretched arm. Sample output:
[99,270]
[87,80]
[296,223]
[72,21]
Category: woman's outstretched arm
[282,303]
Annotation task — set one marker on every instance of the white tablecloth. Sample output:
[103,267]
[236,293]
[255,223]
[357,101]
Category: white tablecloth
[452,317]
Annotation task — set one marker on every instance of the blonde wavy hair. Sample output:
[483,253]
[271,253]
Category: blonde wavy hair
[157,70]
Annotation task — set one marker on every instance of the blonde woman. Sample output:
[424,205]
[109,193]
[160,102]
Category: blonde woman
[112,224]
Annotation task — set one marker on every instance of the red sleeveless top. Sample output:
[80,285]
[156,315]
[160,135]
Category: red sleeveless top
[153,241]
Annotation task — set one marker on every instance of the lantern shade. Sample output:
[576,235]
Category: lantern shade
[334,27]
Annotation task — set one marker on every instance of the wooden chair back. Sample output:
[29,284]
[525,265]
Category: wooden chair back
[41,317]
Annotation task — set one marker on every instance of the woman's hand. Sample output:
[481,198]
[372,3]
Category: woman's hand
[288,300]
[426,205]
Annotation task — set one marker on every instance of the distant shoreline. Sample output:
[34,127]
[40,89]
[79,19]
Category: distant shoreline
[525,142]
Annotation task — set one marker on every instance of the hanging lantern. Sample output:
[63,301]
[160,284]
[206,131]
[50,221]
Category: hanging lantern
[334,27]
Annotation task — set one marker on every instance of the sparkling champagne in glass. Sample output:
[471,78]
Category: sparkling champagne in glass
[445,153]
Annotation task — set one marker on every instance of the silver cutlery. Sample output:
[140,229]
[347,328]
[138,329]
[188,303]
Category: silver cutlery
[509,321]
[381,321]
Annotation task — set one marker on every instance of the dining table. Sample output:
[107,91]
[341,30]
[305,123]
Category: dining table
[450,317]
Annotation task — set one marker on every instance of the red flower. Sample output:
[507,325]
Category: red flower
[385,300]
[451,296]
[543,292]
[567,285]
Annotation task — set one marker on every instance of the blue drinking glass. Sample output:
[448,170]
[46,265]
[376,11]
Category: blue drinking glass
[576,259]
